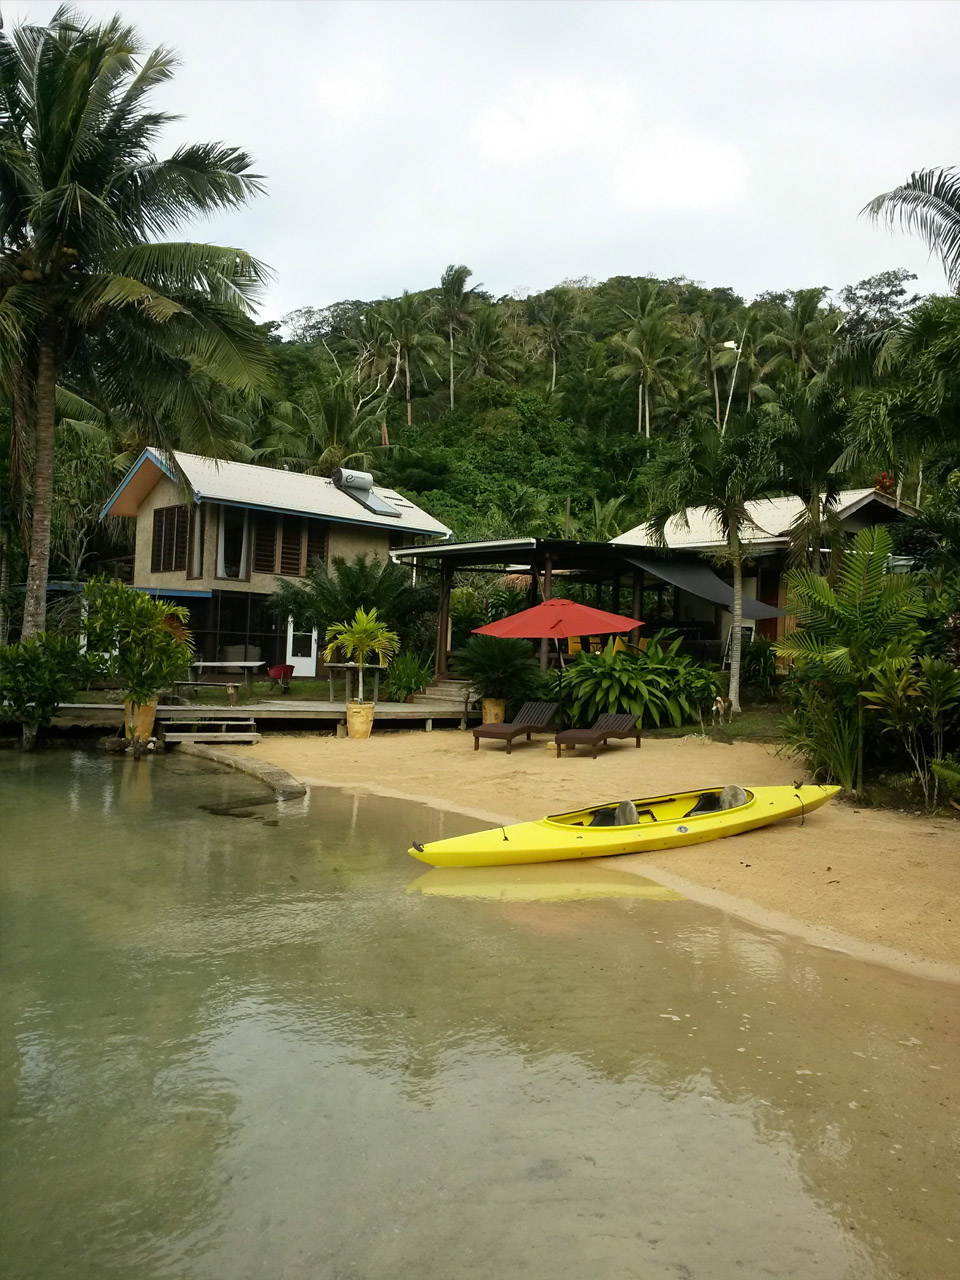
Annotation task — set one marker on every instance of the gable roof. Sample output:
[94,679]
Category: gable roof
[769,524]
[241,484]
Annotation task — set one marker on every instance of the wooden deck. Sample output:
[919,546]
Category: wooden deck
[321,714]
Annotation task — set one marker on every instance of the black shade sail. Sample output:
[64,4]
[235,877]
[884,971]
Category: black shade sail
[700,580]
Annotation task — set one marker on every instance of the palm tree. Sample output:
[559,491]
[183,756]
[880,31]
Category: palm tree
[453,308]
[722,473]
[802,334]
[603,521]
[487,350]
[555,317]
[867,621]
[649,353]
[810,426]
[88,299]
[409,321]
[362,635]
[326,428]
[928,205]
[713,343]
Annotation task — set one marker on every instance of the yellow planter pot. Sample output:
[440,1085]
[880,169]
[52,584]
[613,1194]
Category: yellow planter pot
[494,710]
[139,719]
[359,719]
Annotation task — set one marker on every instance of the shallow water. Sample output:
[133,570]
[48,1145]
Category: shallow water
[246,1040]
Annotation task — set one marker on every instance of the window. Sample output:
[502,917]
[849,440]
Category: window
[264,543]
[291,547]
[232,557]
[171,532]
[287,545]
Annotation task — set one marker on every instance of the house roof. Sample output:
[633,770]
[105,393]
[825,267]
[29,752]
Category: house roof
[769,525]
[242,484]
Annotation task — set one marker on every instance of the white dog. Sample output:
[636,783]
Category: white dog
[720,707]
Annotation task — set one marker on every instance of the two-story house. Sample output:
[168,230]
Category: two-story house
[217,536]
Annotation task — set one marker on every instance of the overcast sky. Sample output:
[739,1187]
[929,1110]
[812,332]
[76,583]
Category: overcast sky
[733,143]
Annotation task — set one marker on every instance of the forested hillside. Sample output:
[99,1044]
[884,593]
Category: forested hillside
[494,412]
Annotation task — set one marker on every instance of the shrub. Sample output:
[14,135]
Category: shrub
[498,667]
[758,665]
[36,676]
[659,684]
[408,673]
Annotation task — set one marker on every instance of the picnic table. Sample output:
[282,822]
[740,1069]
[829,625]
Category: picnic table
[247,667]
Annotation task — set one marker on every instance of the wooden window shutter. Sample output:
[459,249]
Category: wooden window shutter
[291,544]
[265,544]
[181,537]
[316,542]
[156,551]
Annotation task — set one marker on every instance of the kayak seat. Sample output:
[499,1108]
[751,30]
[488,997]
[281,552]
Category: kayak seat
[604,818]
[709,802]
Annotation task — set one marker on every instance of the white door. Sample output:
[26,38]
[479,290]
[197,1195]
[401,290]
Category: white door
[301,650]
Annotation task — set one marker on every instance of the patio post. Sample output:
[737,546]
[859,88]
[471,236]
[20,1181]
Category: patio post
[443,622]
[637,610]
[547,593]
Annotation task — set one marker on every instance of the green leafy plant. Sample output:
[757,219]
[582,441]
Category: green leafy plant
[408,674]
[822,724]
[363,635]
[499,667]
[868,620]
[758,665]
[659,684]
[36,676]
[326,596]
[918,705]
[146,640]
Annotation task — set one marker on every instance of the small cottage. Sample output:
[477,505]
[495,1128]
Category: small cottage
[216,536]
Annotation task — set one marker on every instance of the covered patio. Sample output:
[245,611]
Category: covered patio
[662,588]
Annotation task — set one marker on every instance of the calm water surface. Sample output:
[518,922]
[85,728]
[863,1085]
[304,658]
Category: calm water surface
[249,1041]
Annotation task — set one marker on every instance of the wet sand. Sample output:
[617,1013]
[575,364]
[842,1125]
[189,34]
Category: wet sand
[878,884]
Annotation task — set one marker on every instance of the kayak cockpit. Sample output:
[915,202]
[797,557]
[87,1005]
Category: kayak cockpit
[646,811]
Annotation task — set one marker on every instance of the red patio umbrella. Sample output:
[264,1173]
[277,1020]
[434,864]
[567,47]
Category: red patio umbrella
[558,619]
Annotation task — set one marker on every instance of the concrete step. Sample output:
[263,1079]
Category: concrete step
[250,738]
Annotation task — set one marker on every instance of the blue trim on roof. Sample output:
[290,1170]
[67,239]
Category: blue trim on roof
[148,455]
[174,591]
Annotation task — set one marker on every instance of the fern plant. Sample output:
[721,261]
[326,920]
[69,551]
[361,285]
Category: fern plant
[868,620]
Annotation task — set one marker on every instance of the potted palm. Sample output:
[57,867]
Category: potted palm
[357,639]
[498,669]
[148,643]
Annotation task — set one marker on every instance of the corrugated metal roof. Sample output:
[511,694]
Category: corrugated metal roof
[244,484]
[770,521]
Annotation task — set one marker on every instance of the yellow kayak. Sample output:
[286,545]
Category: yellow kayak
[638,826]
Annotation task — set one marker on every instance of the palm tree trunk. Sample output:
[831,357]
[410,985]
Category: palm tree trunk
[451,364]
[5,583]
[816,538]
[716,397]
[647,399]
[553,378]
[736,641]
[406,367]
[640,408]
[919,485]
[360,679]
[38,568]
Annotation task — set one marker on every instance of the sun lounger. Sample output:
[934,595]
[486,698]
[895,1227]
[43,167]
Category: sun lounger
[609,726]
[533,717]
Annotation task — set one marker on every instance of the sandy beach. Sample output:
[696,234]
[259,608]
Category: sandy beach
[879,884]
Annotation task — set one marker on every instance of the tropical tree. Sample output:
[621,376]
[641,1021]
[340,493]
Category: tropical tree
[409,322]
[809,422]
[801,334]
[555,319]
[87,297]
[649,353]
[721,472]
[867,621]
[487,349]
[326,595]
[329,426]
[603,520]
[453,309]
[928,205]
[362,635]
